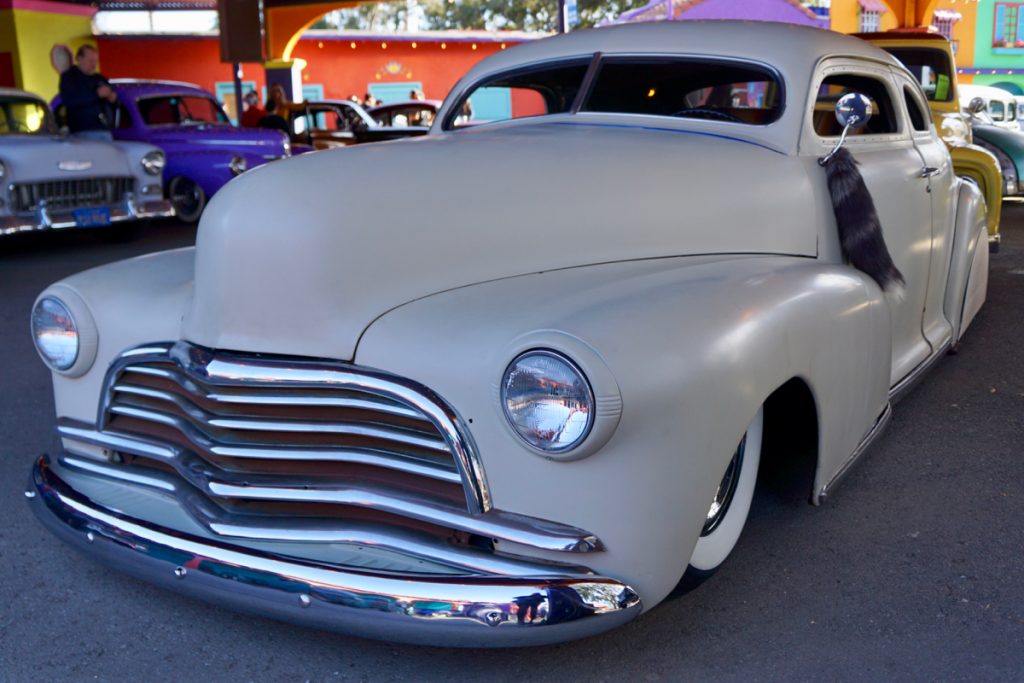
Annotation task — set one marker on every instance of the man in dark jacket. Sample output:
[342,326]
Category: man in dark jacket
[86,94]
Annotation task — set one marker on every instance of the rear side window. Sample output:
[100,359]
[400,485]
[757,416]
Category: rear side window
[686,88]
[918,118]
[883,115]
[550,89]
[996,110]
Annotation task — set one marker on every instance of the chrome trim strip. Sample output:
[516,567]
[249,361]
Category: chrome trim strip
[880,424]
[256,425]
[469,611]
[138,446]
[227,369]
[506,526]
[904,386]
[270,399]
[263,528]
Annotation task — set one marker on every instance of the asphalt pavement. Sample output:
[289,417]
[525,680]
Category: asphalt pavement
[913,570]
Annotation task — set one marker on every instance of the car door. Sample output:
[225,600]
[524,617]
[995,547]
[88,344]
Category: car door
[937,168]
[892,170]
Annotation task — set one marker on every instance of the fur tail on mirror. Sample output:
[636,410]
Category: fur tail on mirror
[860,232]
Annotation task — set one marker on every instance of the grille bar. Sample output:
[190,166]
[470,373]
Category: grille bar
[227,486]
[70,194]
[251,527]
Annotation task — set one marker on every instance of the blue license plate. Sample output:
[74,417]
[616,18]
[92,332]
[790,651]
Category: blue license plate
[92,218]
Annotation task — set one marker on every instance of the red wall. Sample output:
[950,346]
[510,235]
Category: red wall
[332,62]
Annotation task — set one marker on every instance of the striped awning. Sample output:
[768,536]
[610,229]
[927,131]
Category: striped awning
[947,15]
[873,6]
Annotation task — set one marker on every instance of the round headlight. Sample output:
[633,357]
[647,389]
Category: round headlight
[548,401]
[154,162]
[55,333]
[954,131]
[238,165]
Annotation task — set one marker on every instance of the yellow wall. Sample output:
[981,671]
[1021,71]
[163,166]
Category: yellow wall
[964,30]
[37,33]
[30,34]
[845,17]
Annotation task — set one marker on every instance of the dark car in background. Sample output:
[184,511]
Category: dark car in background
[327,124]
[409,113]
[204,150]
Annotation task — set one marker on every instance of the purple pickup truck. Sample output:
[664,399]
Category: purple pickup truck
[204,151]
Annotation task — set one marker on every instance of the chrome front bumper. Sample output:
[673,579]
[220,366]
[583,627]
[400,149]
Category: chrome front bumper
[433,610]
[44,219]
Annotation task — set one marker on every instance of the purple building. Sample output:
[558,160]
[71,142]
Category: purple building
[789,11]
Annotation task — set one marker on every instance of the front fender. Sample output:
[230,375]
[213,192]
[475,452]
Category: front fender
[695,346]
[967,284]
[982,167]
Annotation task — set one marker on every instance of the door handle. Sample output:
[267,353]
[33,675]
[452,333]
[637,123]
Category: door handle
[928,171]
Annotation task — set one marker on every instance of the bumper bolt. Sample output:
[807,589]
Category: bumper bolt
[90,537]
[30,494]
[305,600]
[180,572]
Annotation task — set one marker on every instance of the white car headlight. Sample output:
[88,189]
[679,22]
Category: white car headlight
[548,401]
[154,162]
[55,333]
[238,165]
[954,131]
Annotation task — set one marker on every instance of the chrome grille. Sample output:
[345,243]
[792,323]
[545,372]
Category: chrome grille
[70,194]
[257,447]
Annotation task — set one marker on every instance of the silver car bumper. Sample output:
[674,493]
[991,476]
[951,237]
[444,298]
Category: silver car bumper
[45,219]
[434,610]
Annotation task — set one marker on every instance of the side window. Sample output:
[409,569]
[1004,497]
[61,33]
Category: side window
[883,115]
[548,89]
[996,110]
[918,118]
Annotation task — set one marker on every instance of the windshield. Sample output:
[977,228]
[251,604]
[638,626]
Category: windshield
[23,115]
[170,110]
[677,87]
[930,67]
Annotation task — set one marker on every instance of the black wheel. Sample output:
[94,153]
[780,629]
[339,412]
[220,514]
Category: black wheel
[728,512]
[187,197]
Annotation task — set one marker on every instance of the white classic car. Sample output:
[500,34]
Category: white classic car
[1000,105]
[527,421]
[52,180]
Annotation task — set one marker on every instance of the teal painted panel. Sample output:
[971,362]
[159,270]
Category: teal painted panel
[394,92]
[312,92]
[224,91]
[491,104]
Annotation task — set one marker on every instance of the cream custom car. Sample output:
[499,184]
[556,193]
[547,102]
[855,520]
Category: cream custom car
[53,181]
[526,422]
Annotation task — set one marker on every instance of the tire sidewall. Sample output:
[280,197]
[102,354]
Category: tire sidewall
[193,216]
[712,550]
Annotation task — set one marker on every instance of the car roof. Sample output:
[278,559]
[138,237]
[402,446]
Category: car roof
[793,51]
[970,89]
[790,48]
[17,92]
[145,87]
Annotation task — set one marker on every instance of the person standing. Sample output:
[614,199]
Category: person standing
[253,111]
[87,97]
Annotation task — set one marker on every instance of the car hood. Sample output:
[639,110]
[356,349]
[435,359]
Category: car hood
[1010,141]
[299,257]
[43,157]
[250,140]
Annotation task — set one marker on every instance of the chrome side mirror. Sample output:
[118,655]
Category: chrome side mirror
[976,106]
[853,111]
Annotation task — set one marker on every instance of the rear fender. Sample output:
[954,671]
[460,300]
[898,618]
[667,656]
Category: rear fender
[967,284]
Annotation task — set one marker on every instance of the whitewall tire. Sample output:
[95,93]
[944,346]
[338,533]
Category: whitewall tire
[728,512]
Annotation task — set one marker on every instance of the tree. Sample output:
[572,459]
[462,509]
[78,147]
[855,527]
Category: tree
[522,15]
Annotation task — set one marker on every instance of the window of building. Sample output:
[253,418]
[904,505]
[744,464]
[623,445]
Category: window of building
[944,20]
[1007,31]
[870,20]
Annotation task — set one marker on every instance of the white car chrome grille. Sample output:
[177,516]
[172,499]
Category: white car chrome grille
[69,194]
